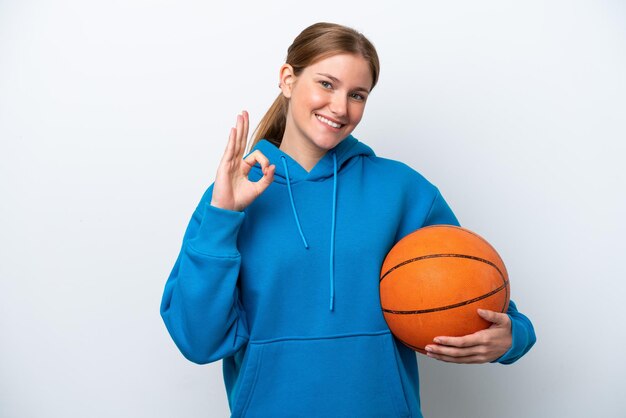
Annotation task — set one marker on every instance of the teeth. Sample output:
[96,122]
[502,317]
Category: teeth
[328,122]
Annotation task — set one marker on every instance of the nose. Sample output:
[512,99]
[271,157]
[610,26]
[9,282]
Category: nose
[339,105]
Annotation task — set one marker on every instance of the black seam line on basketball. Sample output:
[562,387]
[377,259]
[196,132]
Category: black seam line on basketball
[456,305]
[506,299]
[425,257]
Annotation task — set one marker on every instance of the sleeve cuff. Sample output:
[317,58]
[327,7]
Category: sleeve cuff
[523,339]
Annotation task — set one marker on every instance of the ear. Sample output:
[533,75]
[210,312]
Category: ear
[286,79]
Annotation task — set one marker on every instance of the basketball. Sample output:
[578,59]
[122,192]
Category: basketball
[433,281]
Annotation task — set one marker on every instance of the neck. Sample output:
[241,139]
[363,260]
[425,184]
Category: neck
[305,154]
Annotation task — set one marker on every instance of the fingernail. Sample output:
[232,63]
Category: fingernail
[428,348]
[437,340]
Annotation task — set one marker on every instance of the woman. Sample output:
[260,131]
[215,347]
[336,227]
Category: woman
[279,268]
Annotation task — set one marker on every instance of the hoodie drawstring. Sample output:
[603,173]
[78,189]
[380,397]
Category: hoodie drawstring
[332,231]
[293,206]
[332,236]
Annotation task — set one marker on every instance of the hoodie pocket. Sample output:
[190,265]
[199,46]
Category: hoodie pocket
[340,376]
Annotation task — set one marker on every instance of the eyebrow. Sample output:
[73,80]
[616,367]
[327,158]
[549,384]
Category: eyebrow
[336,80]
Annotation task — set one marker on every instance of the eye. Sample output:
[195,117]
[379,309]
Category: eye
[326,84]
[357,96]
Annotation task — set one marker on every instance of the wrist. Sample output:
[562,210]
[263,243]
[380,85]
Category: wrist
[220,205]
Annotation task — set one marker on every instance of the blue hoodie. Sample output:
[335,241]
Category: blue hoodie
[286,291]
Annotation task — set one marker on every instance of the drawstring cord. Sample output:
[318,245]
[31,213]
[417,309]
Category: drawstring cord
[332,231]
[332,236]
[293,206]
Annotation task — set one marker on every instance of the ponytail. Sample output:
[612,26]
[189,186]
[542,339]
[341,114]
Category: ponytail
[272,126]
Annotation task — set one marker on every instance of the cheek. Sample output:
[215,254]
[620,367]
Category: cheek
[317,100]
[311,96]
[356,113]
[309,102]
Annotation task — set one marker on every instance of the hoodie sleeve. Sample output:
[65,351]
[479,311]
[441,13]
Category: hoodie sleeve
[522,331]
[200,304]
[440,213]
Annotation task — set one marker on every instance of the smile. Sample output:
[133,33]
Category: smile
[328,122]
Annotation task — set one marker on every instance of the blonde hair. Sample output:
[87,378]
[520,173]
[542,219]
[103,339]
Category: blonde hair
[317,42]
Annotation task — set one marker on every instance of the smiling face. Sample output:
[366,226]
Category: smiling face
[326,102]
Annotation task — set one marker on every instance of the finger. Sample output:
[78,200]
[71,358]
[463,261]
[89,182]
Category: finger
[238,148]
[252,158]
[474,359]
[246,123]
[268,177]
[465,341]
[230,146]
[456,351]
[493,317]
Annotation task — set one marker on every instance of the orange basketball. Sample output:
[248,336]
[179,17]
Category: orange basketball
[433,281]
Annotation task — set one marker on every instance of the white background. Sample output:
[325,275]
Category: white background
[113,118]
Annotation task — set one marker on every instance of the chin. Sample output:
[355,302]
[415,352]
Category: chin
[329,143]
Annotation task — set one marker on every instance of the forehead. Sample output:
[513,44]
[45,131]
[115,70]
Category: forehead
[350,69]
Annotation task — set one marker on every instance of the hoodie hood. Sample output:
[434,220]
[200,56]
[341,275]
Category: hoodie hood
[347,149]
[289,171]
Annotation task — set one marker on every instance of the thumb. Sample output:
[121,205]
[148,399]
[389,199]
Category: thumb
[494,317]
[268,177]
